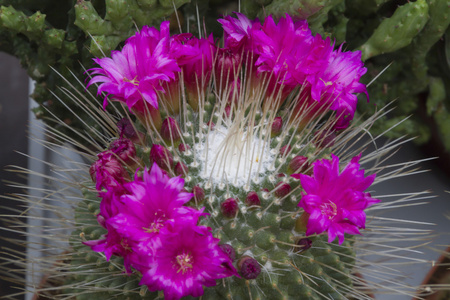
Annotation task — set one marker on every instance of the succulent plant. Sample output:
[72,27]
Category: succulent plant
[225,172]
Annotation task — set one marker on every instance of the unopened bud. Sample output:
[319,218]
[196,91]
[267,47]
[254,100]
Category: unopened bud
[161,156]
[249,267]
[199,194]
[229,208]
[282,189]
[229,250]
[285,150]
[277,126]
[170,131]
[181,169]
[252,199]
[183,147]
[298,164]
[211,125]
[303,244]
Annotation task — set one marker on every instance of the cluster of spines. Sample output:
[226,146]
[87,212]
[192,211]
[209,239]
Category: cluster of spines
[263,229]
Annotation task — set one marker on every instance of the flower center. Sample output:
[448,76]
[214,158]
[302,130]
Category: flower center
[329,209]
[184,262]
[133,81]
[125,245]
[157,224]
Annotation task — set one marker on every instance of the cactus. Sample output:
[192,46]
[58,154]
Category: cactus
[260,168]
[408,34]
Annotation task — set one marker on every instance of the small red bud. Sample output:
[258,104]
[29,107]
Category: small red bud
[227,112]
[211,125]
[229,208]
[303,244]
[229,250]
[252,199]
[298,164]
[285,150]
[183,147]
[161,156]
[277,126]
[249,267]
[170,131]
[199,194]
[181,169]
[282,189]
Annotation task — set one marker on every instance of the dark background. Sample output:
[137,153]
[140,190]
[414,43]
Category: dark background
[13,137]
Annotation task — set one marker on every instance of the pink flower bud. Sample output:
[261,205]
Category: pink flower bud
[229,208]
[161,156]
[183,147]
[108,172]
[298,164]
[227,113]
[277,126]
[125,150]
[282,189]
[285,150]
[170,131]
[199,194]
[252,199]
[303,245]
[226,67]
[211,125]
[181,169]
[249,267]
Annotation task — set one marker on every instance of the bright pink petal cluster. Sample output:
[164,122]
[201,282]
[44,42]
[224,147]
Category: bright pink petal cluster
[336,200]
[134,74]
[151,228]
[288,56]
[185,258]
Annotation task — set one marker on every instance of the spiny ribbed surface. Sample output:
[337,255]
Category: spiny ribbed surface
[265,233]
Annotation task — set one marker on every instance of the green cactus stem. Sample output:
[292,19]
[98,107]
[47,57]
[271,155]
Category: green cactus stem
[397,31]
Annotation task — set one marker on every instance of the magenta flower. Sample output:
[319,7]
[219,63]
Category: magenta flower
[239,32]
[186,258]
[336,200]
[134,75]
[339,82]
[152,202]
[115,244]
[195,57]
